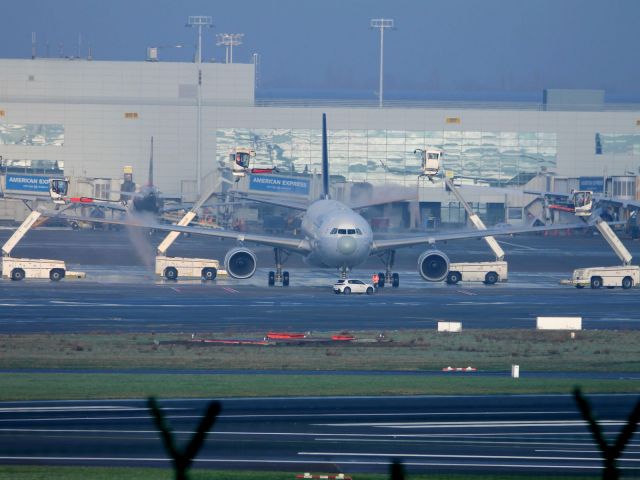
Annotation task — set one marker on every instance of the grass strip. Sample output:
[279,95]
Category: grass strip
[63,386]
[533,350]
[132,473]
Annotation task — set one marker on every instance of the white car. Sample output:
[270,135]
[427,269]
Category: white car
[348,286]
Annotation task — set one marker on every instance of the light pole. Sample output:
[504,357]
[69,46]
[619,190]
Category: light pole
[199,21]
[229,40]
[381,23]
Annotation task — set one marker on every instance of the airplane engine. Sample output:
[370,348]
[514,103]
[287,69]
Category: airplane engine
[240,262]
[433,265]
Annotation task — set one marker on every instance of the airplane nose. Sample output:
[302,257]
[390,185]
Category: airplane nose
[347,245]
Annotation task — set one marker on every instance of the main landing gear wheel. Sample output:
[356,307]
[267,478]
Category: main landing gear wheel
[395,280]
[272,279]
[380,280]
[285,279]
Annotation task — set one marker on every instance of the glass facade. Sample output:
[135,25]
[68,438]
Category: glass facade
[616,143]
[386,156]
[32,134]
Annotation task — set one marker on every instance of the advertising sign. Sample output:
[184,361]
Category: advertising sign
[595,184]
[27,183]
[274,184]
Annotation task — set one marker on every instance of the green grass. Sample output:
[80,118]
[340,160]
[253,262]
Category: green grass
[106,473]
[402,350]
[27,386]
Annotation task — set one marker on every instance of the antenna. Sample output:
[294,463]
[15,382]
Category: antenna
[256,70]
[381,23]
[33,45]
[151,165]
[199,21]
[229,40]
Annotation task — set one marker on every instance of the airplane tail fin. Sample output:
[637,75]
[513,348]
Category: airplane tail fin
[150,180]
[325,159]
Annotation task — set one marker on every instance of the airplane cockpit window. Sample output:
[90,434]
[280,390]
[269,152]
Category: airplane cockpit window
[333,231]
[351,231]
[342,231]
[358,231]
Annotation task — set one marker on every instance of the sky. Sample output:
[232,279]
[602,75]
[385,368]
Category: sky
[469,48]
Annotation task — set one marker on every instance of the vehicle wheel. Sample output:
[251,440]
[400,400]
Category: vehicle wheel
[285,279]
[170,273]
[580,286]
[272,279]
[491,278]
[337,292]
[627,282]
[453,278]
[209,273]
[395,280]
[56,274]
[596,282]
[369,291]
[347,291]
[17,274]
[380,280]
[75,225]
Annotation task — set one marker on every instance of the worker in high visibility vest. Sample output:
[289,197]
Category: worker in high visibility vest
[374,279]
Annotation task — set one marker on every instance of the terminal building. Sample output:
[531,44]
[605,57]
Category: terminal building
[89,120]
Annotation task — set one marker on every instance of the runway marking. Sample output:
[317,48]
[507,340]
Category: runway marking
[307,462]
[466,292]
[487,424]
[79,408]
[433,455]
[230,290]
[177,290]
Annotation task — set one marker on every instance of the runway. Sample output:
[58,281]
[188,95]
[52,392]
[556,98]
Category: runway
[122,294]
[89,306]
[499,434]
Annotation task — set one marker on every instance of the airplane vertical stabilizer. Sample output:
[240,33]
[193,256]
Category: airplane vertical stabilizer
[325,159]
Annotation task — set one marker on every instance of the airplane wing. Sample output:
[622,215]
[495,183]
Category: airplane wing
[430,239]
[293,244]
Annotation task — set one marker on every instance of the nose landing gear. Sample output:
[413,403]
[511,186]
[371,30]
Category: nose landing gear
[279,276]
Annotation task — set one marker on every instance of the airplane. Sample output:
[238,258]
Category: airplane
[333,236]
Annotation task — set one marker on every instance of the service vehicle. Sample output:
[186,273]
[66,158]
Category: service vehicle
[625,276]
[20,268]
[486,272]
[172,268]
[348,286]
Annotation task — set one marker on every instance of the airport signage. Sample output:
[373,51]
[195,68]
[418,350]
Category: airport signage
[595,184]
[27,183]
[271,183]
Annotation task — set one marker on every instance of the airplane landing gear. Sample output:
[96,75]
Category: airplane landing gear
[388,257]
[279,276]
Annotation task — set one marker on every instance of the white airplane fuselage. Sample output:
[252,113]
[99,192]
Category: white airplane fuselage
[339,237]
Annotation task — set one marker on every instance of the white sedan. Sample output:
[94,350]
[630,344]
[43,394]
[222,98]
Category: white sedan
[347,287]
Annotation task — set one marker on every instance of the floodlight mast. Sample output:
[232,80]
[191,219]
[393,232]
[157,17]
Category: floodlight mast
[229,40]
[199,21]
[381,23]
